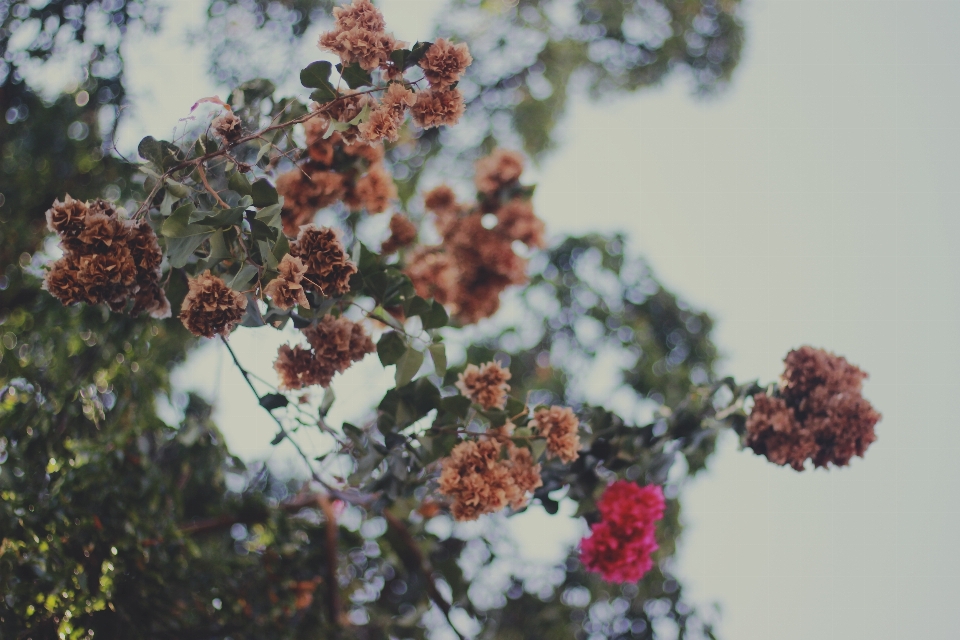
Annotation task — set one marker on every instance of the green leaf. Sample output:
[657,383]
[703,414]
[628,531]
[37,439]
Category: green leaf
[417,306]
[239,183]
[219,218]
[417,52]
[269,260]
[354,433]
[149,150]
[271,215]
[273,401]
[362,116]
[316,75]
[437,317]
[261,231]
[179,250]
[178,224]
[244,277]
[407,366]
[497,417]
[281,248]
[515,407]
[219,250]
[161,153]
[399,56]
[438,352]
[391,347]
[176,189]
[328,399]
[355,76]
[264,194]
[324,95]
[457,405]
[537,447]
[252,316]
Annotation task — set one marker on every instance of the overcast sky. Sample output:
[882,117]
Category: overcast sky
[814,202]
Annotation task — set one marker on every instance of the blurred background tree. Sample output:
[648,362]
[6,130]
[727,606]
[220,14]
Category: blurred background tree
[115,524]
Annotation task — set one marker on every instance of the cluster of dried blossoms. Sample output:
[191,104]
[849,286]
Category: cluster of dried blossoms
[473,264]
[335,344]
[211,307]
[359,38]
[619,547]
[560,427]
[402,234]
[819,413]
[335,171]
[106,259]
[326,269]
[346,165]
[485,475]
[486,385]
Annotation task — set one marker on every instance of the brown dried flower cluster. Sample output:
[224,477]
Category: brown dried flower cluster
[336,171]
[358,36]
[211,307]
[473,265]
[402,233]
[442,104]
[286,290]
[227,127]
[486,385]
[106,259]
[559,426]
[445,62]
[499,169]
[438,107]
[486,475]
[335,344]
[385,120]
[820,413]
[327,269]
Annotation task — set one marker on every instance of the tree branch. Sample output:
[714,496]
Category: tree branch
[415,561]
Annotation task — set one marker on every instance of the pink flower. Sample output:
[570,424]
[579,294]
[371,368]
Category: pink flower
[620,545]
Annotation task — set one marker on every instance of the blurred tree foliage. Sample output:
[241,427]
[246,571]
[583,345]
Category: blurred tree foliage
[115,523]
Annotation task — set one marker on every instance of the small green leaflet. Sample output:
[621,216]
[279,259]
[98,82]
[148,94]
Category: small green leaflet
[264,194]
[239,183]
[328,399]
[407,366]
[270,215]
[270,261]
[438,352]
[244,277]
[161,153]
[391,347]
[537,447]
[179,250]
[355,76]
[178,224]
[219,250]
[316,75]
[435,318]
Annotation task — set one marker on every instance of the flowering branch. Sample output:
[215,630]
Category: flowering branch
[359,499]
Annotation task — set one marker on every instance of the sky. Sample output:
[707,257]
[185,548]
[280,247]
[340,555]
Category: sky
[812,202]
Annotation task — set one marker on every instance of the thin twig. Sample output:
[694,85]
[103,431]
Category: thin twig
[360,499]
[203,178]
[224,150]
